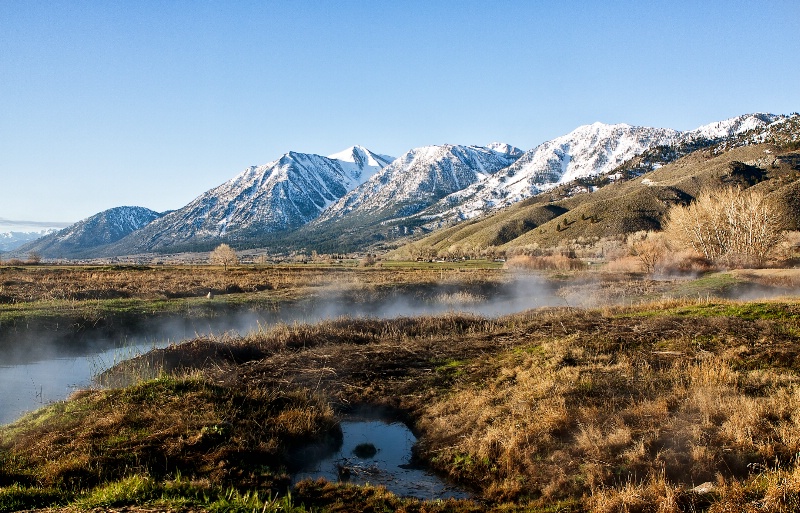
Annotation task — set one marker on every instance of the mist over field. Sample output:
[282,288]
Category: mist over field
[40,365]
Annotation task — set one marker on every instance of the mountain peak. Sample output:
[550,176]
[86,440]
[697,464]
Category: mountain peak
[735,125]
[93,232]
[417,179]
[505,148]
[360,163]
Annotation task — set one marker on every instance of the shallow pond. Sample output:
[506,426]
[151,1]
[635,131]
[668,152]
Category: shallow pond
[376,452]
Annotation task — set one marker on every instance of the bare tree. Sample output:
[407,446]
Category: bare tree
[648,247]
[223,255]
[731,226]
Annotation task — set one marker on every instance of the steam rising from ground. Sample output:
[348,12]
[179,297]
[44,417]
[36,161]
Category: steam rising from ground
[41,366]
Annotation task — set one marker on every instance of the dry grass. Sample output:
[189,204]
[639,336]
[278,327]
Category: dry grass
[29,284]
[624,264]
[545,263]
[788,279]
[160,427]
[619,409]
[561,403]
[579,414]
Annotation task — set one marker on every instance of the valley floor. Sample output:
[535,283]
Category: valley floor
[655,395]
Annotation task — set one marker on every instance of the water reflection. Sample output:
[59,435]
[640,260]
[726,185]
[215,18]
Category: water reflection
[375,452]
[27,386]
[41,365]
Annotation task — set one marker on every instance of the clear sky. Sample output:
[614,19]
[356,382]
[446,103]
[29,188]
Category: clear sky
[151,103]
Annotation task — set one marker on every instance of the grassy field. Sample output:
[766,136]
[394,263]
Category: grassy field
[670,399]
[44,299]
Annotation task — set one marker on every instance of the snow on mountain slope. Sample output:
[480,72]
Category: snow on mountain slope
[98,230]
[11,240]
[109,225]
[505,148]
[732,126]
[361,163]
[419,178]
[281,195]
[588,150]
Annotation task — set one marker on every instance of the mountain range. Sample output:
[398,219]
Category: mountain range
[357,197]
[276,197]
[11,240]
[578,213]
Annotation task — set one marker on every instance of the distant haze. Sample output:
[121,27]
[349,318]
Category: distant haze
[12,225]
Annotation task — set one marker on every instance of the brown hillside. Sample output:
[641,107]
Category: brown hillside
[632,205]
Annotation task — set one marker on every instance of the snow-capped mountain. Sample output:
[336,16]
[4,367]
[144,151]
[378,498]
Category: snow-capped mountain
[418,179]
[359,162]
[587,151]
[278,196]
[357,196]
[12,240]
[506,148]
[733,126]
[93,232]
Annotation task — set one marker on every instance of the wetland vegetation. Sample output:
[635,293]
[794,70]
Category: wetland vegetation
[630,393]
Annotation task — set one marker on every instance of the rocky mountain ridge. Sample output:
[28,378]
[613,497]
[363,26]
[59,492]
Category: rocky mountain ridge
[357,197]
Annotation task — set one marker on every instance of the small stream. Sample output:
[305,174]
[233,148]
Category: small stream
[40,367]
[378,452]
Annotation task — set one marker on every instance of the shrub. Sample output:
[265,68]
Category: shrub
[545,263]
[731,226]
[649,249]
[623,264]
[685,262]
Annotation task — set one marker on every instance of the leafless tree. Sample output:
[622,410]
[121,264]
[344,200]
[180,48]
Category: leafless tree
[223,255]
[648,247]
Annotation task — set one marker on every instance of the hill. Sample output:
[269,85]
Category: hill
[629,200]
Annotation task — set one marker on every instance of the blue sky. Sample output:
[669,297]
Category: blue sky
[151,103]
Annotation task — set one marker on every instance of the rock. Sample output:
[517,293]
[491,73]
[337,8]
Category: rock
[343,472]
[702,489]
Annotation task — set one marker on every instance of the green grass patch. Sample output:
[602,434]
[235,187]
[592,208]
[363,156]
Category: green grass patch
[100,309]
[180,493]
[767,310]
[709,285]
[17,498]
[450,368]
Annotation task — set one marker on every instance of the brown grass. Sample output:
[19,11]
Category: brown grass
[621,409]
[561,402]
[28,284]
[160,427]
[545,263]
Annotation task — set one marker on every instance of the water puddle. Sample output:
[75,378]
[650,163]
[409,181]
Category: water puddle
[376,452]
